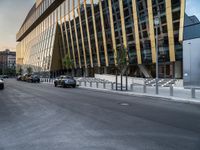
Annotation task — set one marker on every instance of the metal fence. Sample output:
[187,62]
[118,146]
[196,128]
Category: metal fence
[170,91]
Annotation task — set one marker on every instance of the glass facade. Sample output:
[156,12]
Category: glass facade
[92,32]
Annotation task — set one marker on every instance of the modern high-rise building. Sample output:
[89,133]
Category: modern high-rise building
[93,32]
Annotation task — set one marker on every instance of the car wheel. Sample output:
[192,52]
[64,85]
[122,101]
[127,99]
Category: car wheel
[63,85]
[2,87]
[74,86]
[55,84]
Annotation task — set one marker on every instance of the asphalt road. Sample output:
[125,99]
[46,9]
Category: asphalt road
[41,117]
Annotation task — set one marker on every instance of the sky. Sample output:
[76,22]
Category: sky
[192,8]
[12,15]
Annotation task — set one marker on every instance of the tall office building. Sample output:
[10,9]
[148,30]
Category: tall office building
[93,32]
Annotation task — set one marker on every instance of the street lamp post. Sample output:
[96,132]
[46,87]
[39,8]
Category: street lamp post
[49,67]
[157,23]
[38,66]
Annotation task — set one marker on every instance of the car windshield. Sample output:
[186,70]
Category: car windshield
[68,77]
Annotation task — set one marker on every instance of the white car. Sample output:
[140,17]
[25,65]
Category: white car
[1,84]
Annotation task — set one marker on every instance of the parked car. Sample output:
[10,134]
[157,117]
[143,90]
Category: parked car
[4,76]
[25,77]
[33,79]
[1,84]
[19,78]
[65,81]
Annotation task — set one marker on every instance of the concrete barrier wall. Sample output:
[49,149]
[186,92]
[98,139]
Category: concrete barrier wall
[112,78]
[131,80]
[178,83]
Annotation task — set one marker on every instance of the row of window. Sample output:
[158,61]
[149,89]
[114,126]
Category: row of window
[69,29]
[87,38]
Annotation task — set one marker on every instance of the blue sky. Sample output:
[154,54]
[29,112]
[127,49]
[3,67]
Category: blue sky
[12,14]
[193,8]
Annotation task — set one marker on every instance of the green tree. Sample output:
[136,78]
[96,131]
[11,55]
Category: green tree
[29,70]
[122,65]
[122,60]
[67,62]
[19,70]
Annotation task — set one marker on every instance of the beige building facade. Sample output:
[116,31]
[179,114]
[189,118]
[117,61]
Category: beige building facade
[93,32]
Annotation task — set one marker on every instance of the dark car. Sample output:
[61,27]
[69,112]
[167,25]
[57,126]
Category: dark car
[4,76]
[65,81]
[1,84]
[33,79]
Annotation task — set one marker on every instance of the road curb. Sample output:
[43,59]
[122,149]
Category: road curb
[165,98]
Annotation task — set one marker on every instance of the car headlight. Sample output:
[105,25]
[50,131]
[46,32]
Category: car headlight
[66,81]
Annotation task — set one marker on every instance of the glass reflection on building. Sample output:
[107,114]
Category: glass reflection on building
[92,32]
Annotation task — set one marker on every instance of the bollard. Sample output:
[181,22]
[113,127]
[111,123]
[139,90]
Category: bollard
[104,85]
[193,92]
[144,88]
[131,87]
[112,86]
[171,90]
[97,84]
[157,87]
[90,84]
[85,83]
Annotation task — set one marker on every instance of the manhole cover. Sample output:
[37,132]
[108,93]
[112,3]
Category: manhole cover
[124,104]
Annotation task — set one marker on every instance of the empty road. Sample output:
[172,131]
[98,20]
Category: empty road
[42,117]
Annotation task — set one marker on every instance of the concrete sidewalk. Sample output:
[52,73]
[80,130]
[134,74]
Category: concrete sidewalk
[179,94]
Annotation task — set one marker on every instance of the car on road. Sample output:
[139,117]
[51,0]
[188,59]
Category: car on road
[25,77]
[4,76]
[1,84]
[33,79]
[19,78]
[65,81]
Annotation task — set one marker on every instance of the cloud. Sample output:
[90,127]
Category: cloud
[12,15]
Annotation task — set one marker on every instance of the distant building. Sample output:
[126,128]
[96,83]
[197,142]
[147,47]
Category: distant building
[7,61]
